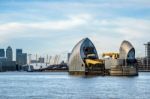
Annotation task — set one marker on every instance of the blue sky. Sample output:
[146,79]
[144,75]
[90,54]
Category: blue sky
[55,26]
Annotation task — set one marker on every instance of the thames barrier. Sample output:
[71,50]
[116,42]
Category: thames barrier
[84,60]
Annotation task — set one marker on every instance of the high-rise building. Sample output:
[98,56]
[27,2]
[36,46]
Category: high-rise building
[24,58]
[21,58]
[147,56]
[9,54]
[2,53]
[147,48]
[7,63]
[18,53]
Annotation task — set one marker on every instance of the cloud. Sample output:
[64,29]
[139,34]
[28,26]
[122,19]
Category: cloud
[81,25]
[71,22]
[15,29]
[129,28]
[32,24]
[106,33]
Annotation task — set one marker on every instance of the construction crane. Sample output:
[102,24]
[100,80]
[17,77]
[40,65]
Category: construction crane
[113,55]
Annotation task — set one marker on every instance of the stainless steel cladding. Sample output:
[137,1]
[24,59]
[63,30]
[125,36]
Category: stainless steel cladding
[78,54]
[125,65]
[127,51]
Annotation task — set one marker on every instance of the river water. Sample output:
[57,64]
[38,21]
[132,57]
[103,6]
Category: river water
[60,85]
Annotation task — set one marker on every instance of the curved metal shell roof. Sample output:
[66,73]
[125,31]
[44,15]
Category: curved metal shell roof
[76,60]
[127,51]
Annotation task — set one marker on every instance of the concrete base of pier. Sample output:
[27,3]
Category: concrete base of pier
[124,71]
[86,73]
[115,71]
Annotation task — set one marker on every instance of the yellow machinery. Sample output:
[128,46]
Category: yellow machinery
[93,61]
[112,55]
[90,61]
[94,65]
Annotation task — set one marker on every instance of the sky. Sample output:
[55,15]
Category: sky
[55,26]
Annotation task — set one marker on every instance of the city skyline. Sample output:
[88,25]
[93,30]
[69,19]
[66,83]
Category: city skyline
[55,26]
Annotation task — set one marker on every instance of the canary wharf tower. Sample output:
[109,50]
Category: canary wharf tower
[9,54]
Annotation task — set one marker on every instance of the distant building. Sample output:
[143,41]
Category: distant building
[18,52]
[2,53]
[41,60]
[24,58]
[21,58]
[147,50]
[2,59]
[146,60]
[34,61]
[7,65]
[141,62]
[18,55]
[9,54]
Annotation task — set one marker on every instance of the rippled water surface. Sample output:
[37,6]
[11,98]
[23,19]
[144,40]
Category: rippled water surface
[60,85]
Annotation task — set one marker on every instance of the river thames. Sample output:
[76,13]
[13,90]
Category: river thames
[60,85]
